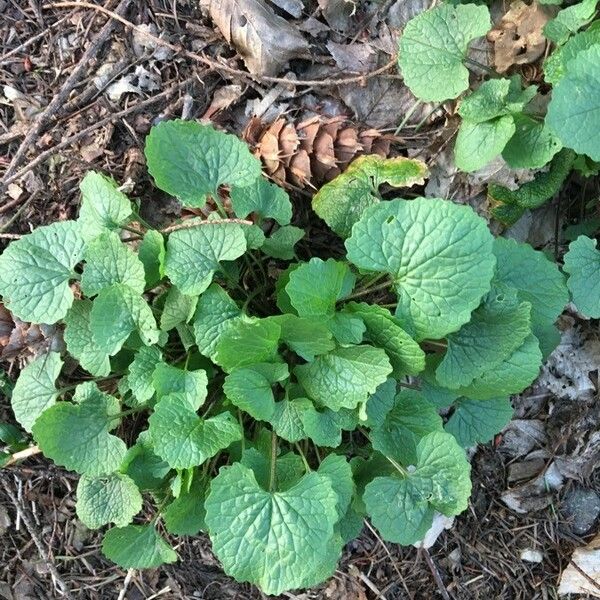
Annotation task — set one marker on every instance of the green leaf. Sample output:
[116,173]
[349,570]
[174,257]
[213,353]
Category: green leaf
[289,468]
[286,419]
[337,469]
[434,46]
[264,199]
[384,331]
[34,390]
[93,450]
[401,506]
[496,329]
[275,540]
[143,465]
[250,388]
[113,498]
[511,376]
[245,343]
[532,146]
[185,515]
[152,254]
[404,426]
[215,312]
[557,64]
[582,263]
[178,309]
[139,378]
[137,547]
[347,328]
[183,439]
[487,102]
[479,143]
[35,272]
[109,261]
[116,312]
[380,403]
[305,336]
[281,243]
[255,237]
[80,342]
[191,385]
[324,426]
[477,421]
[335,281]
[195,254]
[575,117]
[569,20]
[189,160]
[439,255]
[345,377]
[537,281]
[341,202]
[103,206]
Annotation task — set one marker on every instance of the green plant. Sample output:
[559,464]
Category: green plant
[278,398]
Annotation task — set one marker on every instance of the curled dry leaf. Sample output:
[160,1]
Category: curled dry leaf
[519,38]
[265,41]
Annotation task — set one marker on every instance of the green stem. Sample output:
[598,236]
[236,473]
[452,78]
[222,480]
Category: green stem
[367,291]
[241,422]
[273,461]
[133,230]
[140,220]
[69,388]
[407,116]
[303,457]
[398,467]
[128,412]
[475,63]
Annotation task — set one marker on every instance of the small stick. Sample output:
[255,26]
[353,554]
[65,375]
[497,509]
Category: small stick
[436,575]
[22,455]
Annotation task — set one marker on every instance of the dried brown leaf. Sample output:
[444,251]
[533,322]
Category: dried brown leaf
[582,576]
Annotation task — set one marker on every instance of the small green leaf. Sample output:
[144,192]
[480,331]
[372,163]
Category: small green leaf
[556,65]
[80,342]
[255,236]
[250,388]
[245,343]
[439,255]
[112,498]
[116,312]
[35,272]
[287,419]
[384,331]
[324,426]
[341,202]
[183,439]
[289,468]
[339,472]
[345,377]
[189,160]
[191,385]
[380,403]
[532,146]
[185,515]
[281,243]
[347,328]
[93,450]
[109,261]
[305,336]
[434,46]
[178,309]
[35,390]
[137,547]
[275,540]
[487,102]
[152,254]
[103,206]
[477,421]
[569,20]
[582,263]
[139,378]
[264,199]
[195,254]
[143,465]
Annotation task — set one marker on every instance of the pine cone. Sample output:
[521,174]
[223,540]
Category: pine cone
[313,151]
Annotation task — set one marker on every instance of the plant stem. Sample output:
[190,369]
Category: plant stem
[398,467]
[133,230]
[407,116]
[140,220]
[489,71]
[367,291]
[241,422]
[273,461]
[303,457]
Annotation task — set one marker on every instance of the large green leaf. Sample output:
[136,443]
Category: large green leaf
[434,46]
[307,337]
[112,498]
[341,202]
[35,272]
[118,311]
[189,160]
[575,117]
[80,342]
[178,308]
[103,206]
[137,547]
[185,515]
[345,377]
[183,439]
[401,506]
[384,331]
[276,540]
[77,436]
[191,385]
[537,281]
[109,261]
[196,253]
[582,263]
[263,199]
[439,255]
[35,390]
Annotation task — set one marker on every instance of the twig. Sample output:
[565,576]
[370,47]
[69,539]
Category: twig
[58,581]
[195,223]
[60,98]
[21,455]
[218,66]
[436,575]
[84,132]
[18,212]
[126,583]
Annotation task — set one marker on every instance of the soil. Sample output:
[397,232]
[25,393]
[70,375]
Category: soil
[53,130]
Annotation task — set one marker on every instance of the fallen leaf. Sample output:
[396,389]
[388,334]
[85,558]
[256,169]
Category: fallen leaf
[518,38]
[265,40]
[582,575]
[224,97]
[357,58]
[292,7]
[337,13]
